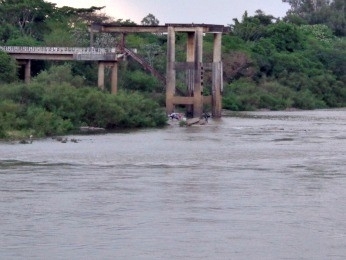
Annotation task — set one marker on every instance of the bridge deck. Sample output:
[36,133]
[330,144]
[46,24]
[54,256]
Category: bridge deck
[62,53]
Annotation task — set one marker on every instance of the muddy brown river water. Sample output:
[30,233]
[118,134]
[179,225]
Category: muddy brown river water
[258,185]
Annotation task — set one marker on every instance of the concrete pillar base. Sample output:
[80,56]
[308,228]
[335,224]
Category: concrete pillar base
[27,73]
[101,75]
[114,78]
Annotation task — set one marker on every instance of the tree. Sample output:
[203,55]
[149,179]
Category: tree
[69,26]
[330,13]
[150,20]
[252,28]
[237,64]
[8,68]
[337,19]
[28,16]
[8,31]
[304,7]
[151,50]
[285,37]
[60,35]
[22,41]
[84,15]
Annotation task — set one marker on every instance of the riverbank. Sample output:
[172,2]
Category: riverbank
[25,137]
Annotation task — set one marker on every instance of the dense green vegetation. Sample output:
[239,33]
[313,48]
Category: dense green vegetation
[298,61]
[280,64]
[56,103]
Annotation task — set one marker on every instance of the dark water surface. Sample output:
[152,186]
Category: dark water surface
[263,185]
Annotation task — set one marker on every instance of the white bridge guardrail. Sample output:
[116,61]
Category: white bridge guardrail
[78,53]
[56,50]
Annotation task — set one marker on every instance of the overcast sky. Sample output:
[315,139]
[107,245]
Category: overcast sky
[182,11]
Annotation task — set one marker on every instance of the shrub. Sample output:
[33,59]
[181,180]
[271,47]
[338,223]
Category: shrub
[44,123]
[231,102]
[140,81]
[9,112]
[247,95]
[58,75]
[242,94]
[8,68]
[306,100]
[2,131]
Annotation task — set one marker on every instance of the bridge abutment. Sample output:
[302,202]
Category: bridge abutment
[27,69]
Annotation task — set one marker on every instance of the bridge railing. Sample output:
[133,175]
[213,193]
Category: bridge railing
[57,50]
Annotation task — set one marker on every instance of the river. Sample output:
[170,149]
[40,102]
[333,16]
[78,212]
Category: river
[255,185]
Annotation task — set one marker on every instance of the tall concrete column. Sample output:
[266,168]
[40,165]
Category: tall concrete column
[101,75]
[198,89]
[170,74]
[27,73]
[190,58]
[217,47]
[190,47]
[114,78]
[217,77]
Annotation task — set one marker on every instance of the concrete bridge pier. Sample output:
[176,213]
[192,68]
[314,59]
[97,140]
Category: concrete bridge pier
[217,77]
[170,73]
[194,100]
[114,78]
[27,69]
[101,75]
[198,82]
[114,75]
[27,73]
[190,57]
[194,67]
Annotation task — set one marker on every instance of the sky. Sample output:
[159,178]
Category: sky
[182,11]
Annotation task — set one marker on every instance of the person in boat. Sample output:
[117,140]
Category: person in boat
[174,115]
[206,116]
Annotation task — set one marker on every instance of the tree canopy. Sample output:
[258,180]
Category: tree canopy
[331,13]
[8,68]
[150,19]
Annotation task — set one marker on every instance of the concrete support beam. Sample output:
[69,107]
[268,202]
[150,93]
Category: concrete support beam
[217,47]
[170,74]
[27,72]
[190,57]
[101,75]
[190,47]
[198,89]
[114,78]
[217,77]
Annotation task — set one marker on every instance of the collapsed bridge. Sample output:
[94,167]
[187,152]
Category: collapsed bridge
[193,97]
[194,67]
